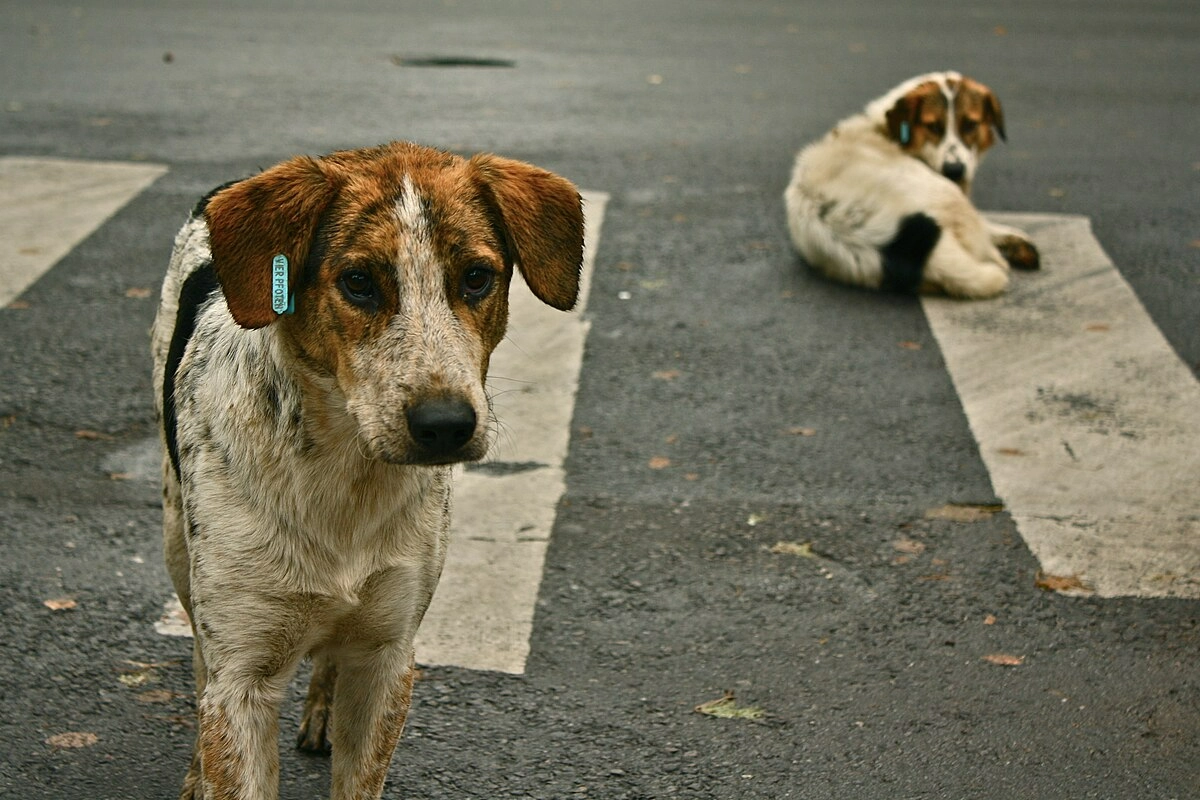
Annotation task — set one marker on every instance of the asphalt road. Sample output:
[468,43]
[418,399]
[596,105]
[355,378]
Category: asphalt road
[789,409]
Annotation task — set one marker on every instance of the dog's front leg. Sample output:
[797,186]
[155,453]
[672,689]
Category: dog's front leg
[239,753]
[372,697]
[251,645]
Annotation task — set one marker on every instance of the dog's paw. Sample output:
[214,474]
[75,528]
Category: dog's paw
[313,736]
[1019,252]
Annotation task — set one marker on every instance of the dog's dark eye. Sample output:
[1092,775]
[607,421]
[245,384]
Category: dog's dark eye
[477,282]
[967,127]
[358,287]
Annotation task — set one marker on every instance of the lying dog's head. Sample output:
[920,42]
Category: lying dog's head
[944,119]
[398,261]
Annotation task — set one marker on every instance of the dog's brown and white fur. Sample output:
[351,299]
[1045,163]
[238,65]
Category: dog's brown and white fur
[306,487]
[883,200]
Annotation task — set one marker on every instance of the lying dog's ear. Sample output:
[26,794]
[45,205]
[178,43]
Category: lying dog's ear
[541,216]
[993,114]
[902,119]
[251,222]
[906,124]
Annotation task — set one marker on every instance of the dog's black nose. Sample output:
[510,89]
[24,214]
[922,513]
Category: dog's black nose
[954,170]
[442,425]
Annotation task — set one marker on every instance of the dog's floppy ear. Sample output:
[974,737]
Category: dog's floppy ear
[251,222]
[541,216]
[902,118]
[993,114]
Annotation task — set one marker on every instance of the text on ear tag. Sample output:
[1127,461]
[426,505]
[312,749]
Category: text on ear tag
[282,301]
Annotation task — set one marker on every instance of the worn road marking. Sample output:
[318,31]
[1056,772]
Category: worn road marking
[48,205]
[1087,420]
[482,612]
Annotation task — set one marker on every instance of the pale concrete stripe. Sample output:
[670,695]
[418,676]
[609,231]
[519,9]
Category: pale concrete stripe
[48,205]
[1087,420]
[482,613]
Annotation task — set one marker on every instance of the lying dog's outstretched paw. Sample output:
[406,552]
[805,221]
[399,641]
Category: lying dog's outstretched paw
[1019,253]
[313,734]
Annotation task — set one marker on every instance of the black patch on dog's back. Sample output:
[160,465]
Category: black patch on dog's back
[905,255]
[198,287]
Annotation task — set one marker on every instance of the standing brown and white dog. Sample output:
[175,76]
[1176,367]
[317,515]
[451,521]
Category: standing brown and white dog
[883,200]
[319,358]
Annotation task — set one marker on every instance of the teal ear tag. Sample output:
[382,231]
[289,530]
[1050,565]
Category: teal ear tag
[282,299]
[905,133]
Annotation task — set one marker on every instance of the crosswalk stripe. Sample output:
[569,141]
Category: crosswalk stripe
[49,205]
[482,614]
[1087,420]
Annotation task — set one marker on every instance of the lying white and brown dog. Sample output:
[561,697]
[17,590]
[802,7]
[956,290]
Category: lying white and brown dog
[883,200]
[319,359]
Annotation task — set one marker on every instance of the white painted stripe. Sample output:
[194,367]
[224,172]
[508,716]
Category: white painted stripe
[482,613]
[48,205]
[1087,420]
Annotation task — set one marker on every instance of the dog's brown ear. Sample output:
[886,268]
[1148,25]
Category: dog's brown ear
[251,222]
[993,114]
[905,118]
[542,218]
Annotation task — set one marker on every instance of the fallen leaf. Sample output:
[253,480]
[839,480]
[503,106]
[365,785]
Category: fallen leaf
[1097,327]
[691,476]
[1060,583]
[92,435]
[135,679]
[671,438]
[1194,243]
[910,546]
[156,696]
[964,512]
[726,707]
[666,374]
[1004,660]
[1056,192]
[1010,451]
[16,305]
[990,619]
[907,345]
[754,519]
[624,266]
[660,462]
[1000,30]
[73,739]
[798,431]
[137,292]
[802,549]
[60,603]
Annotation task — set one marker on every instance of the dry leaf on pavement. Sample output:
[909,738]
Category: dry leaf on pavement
[1061,583]
[726,707]
[964,512]
[1004,660]
[802,549]
[72,739]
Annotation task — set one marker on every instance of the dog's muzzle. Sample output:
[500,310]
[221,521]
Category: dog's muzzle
[441,427]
